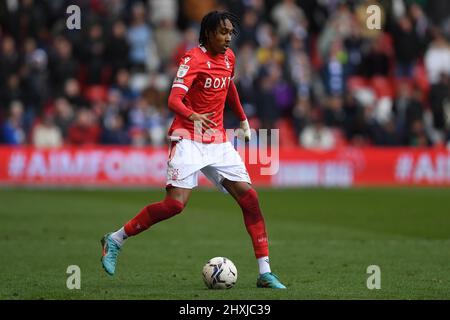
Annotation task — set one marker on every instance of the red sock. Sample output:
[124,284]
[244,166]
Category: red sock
[254,222]
[152,214]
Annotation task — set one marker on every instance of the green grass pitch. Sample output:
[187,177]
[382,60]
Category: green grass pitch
[321,243]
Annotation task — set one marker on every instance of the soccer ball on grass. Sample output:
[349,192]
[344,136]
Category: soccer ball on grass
[219,273]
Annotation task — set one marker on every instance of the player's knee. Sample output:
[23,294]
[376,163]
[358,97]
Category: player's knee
[174,206]
[249,199]
[252,194]
[250,207]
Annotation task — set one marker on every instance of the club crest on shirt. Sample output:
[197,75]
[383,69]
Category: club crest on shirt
[182,70]
[227,62]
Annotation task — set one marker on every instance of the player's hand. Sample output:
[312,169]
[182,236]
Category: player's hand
[203,119]
[246,134]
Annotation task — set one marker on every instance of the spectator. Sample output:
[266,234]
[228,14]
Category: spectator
[138,115]
[9,59]
[283,90]
[437,57]
[140,38]
[93,52]
[247,33]
[334,69]
[157,121]
[269,50]
[13,129]
[355,124]
[35,77]
[64,116]
[439,95]
[406,47]
[166,39]
[301,114]
[354,47]
[376,61]
[421,24]
[10,92]
[286,16]
[46,134]
[63,65]
[301,70]
[162,11]
[316,135]
[138,138]
[417,136]
[245,77]
[438,10]
[147,116]
[114,106]
[85,130]
[409,110]
[188,41]
[72,93]
[117,48]
[32,18]
[339,27]
[266,101]
[122,83]
[386,134]
[333,114]
[114,133]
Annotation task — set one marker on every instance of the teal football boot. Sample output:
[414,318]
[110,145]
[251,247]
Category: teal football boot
[109,254]
[269,280]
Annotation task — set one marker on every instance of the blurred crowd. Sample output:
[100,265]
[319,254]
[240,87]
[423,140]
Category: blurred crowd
[311,68]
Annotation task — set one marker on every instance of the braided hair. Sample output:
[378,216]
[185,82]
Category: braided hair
[212,21]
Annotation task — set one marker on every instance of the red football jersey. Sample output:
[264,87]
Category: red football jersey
[206,79]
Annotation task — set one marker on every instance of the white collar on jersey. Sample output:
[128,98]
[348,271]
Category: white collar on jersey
[203,48]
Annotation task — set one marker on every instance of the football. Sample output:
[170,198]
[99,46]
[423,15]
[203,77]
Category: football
[219,273]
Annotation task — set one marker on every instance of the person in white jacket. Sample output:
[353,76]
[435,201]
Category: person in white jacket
[437,57]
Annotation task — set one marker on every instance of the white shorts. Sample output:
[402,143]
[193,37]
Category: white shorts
[217,161]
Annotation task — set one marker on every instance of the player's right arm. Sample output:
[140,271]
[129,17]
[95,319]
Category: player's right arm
[178,107]
[186,75]
[176,103]
[203,118]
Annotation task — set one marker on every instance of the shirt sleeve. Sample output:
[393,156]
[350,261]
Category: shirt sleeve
[234,102]
[176,104]
[186,74]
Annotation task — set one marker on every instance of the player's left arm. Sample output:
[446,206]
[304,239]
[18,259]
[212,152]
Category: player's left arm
[234,102]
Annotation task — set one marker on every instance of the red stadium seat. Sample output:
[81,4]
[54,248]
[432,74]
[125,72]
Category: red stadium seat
[339,137]
[357,82]
[387,43]
[383,87]
[421,78]
[316,60]
[96,93]
[254,123]
[288,138]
